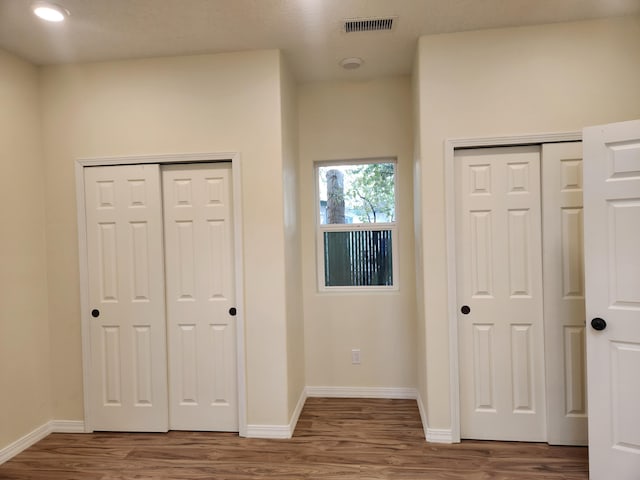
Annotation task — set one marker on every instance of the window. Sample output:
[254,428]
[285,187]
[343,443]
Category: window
[357,230]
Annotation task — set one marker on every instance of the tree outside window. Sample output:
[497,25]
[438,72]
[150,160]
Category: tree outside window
[357,223]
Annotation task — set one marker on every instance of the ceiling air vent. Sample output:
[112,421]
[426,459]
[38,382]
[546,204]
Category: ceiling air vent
[369,24]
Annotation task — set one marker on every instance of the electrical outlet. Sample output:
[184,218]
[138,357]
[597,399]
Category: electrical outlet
[355,356]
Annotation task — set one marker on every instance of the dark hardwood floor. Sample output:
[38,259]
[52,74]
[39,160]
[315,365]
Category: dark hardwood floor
[334,439]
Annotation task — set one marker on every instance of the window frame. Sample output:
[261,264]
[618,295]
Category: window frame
[349,227]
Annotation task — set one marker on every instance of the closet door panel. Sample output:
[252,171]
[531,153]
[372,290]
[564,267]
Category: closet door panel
[564,298]
[128,383]
[200,293]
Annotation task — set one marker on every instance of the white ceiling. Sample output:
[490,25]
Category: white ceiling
[308,31]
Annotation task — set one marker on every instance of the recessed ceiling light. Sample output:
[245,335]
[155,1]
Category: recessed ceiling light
[351,63]
[49,12]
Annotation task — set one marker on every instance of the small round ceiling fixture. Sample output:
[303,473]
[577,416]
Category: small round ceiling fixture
[49,12]
[351,63]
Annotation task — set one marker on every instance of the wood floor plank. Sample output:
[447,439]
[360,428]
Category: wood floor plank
[335,439]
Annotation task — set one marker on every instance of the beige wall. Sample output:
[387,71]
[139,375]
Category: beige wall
[207,103]
[293,270]
[421,353]
[551,78]
[353,120]
[25,385]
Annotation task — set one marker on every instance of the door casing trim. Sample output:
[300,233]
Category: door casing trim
[450,145]
[236,172]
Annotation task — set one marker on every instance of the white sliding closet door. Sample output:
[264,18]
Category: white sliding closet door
[499,275]
[564,312]
[128,387]
[200,296]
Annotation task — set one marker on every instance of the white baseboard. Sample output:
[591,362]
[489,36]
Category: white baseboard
[13,449]
[423,414]
[433,435]
[439,435]
[268,431]
[286,431]
[67,426]
[279,431]
[254,431]
[297,411]
[33,437]
[363,392]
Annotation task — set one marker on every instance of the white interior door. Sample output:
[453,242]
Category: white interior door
[128,389]
[564,314]
[612,272]
[200,295]
[500,281]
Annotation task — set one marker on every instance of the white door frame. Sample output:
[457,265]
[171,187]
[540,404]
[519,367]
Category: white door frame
[450,235]
[234,158]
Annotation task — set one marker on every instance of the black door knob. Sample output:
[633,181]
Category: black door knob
[232,311]
[95,313]
[465,310]
[598,324]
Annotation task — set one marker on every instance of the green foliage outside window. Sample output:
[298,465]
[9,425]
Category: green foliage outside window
[372,192]
[351,194]
[357,193]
